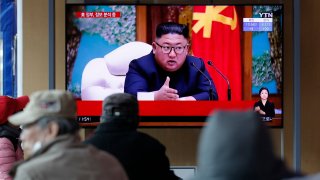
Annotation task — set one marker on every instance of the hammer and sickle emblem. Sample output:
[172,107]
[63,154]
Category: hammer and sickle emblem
[213,14]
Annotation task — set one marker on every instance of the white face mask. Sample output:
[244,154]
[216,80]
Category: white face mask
[22,146]
[36,146]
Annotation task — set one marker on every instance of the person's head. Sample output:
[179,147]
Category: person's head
[171,45]
[49,114]
[237,145]
[121,109]
[10,105]
[264,93]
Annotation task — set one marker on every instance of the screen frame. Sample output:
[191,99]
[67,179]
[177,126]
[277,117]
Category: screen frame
[199,121]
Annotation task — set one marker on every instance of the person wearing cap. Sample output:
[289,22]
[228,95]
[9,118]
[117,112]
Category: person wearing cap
[142,156]
[237,146]
[51,141]
[10,150]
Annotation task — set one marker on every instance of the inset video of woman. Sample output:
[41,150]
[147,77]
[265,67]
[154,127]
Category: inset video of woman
[264,107]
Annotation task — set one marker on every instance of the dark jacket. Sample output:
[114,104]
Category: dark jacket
[145,75]
[142,156]
[268,108]
[237,146]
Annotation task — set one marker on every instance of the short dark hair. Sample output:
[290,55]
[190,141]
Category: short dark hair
[121,109]
[264,88]
[66,126]
[172,28]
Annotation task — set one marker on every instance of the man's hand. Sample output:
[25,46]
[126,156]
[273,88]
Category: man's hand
[166,93]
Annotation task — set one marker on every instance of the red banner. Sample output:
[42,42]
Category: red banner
[169,108]
[98,14]
[216,37]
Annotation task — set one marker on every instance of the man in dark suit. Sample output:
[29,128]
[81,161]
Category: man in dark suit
[168,72]
[142,156]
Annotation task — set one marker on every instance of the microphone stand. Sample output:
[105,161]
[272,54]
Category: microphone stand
[224,77]
[210,83]
[210,94]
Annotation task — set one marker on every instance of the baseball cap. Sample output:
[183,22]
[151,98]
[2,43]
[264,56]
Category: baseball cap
[10,105]
[47,103]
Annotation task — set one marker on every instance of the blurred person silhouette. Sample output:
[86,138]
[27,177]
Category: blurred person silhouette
[142,156]
[52,144]
[307,177]
[237,146]
[10,147]
[264,107]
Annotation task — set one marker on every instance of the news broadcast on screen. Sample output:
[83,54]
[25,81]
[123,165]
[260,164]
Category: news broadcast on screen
[235,52]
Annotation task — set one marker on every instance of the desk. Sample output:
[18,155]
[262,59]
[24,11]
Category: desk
[169,113]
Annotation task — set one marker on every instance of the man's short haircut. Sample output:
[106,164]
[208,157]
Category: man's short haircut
[66,126]
[121,109]
[172,28]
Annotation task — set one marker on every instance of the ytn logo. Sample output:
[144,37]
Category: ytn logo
[266,15]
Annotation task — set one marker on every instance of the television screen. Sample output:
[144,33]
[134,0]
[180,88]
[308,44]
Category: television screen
[240,46]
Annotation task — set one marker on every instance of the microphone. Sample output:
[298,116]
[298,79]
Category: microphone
[210,83]
[224,77]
